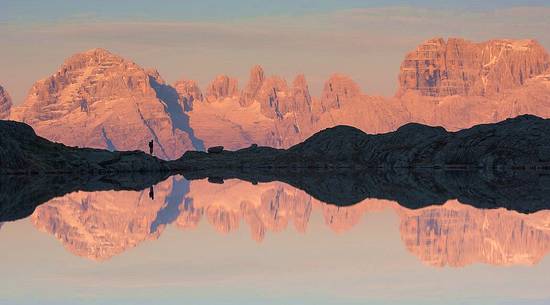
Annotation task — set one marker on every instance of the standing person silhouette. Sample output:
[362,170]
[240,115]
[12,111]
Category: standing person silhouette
[151,193]
[151,147]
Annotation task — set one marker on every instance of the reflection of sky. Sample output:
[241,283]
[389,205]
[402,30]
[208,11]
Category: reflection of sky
[365,264]
[200,39]
[368,263]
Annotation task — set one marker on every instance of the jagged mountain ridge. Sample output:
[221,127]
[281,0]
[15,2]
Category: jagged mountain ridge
[99,99]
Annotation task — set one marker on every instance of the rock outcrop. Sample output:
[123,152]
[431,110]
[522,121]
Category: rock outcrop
[188,92]
[338,89]
[222,87]
[254,83]
[5,104]
[101,100]
[441,68]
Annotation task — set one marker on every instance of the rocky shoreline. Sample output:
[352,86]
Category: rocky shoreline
[514,144]
[488,166]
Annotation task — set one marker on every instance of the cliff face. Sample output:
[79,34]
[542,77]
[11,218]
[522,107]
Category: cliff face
[98,99]
[222,87]
[188,92]
[458,112]
[5,104]
[441,68]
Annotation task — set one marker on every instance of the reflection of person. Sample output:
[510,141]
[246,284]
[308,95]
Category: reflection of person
[151,193]
[151,147]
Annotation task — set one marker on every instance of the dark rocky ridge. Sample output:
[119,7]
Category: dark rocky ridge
[522,142]
[22,151]
[519,143]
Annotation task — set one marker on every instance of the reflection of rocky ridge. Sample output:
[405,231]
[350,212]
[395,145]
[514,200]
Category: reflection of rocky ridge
[505,161]
[526,192]
[18,202]
[102,224]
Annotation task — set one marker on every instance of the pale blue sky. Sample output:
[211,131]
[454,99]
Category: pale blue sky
[58,10]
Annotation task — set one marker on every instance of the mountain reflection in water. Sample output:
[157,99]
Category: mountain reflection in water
[100,225]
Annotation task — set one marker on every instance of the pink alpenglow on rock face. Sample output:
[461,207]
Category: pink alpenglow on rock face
[222,87]
[5,104]
[189,93]
[460,67]
[255,82]
[98,99]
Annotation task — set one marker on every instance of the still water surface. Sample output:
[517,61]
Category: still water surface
[239,243]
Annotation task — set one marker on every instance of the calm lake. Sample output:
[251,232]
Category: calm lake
[195,242]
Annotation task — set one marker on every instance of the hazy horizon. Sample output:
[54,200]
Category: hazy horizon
[366,42]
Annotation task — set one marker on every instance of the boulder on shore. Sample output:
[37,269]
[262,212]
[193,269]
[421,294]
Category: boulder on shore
[215,149]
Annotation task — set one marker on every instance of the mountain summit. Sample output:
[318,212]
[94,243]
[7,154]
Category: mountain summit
[101,100]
